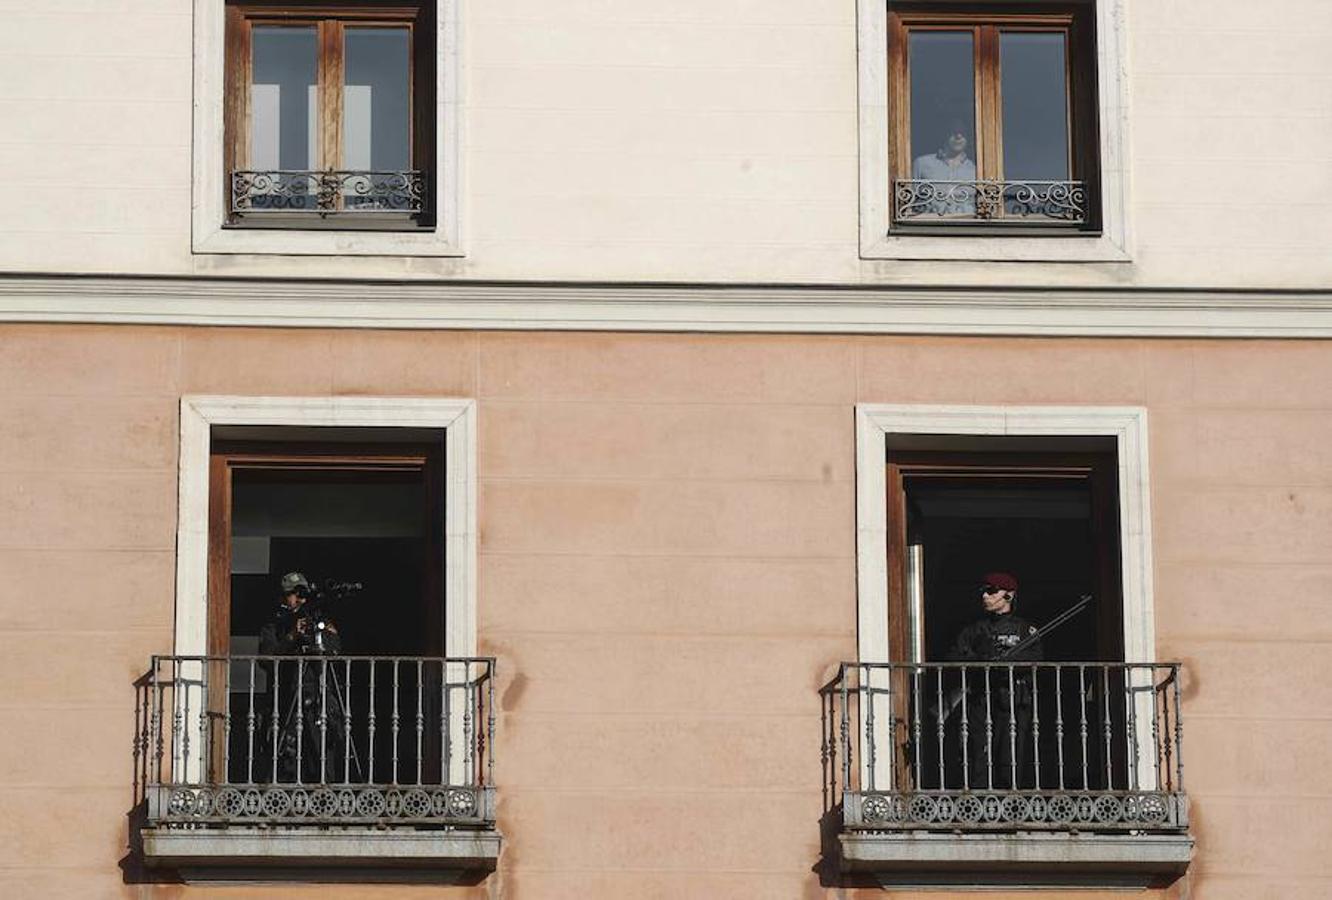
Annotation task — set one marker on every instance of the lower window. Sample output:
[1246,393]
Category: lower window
[1006,723]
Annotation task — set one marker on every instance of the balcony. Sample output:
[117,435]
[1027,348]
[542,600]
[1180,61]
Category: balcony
[1022,775]
[330,199]
[990,203]
[272,767]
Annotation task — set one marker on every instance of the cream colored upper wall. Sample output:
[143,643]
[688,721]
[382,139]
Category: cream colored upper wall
[696,140]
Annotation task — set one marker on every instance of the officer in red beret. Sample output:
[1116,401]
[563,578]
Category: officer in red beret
[999,697]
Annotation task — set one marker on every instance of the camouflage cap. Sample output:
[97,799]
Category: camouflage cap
[293,581]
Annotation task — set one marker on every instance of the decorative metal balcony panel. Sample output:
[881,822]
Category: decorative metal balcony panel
[326,193]
[916,201]
[974,747]
[317,740]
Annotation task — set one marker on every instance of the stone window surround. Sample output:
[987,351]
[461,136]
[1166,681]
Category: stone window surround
[208,177]
[877,240]
[458,418]
[1127,425]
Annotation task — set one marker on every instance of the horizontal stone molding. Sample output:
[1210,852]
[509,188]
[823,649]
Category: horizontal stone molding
[218,854]
[1017,861]
[1119,312]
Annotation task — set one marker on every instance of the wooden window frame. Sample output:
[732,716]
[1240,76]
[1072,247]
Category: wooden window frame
[987,21]
[330,21]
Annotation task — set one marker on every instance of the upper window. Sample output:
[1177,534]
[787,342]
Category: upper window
[326,116]
[993,116]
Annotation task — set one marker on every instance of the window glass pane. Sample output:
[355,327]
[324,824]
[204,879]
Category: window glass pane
[943,105]
[1035,105]
[284,103]
[376,102]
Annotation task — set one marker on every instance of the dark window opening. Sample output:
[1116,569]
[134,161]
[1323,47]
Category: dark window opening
[1051,520]
[366,704]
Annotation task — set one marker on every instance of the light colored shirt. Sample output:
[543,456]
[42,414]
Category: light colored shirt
[944,199]
[933,167]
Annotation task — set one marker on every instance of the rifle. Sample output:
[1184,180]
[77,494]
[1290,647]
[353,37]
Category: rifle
[1083,602]
[955,695]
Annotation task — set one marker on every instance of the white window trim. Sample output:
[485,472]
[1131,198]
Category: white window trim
[209,175]
[877,240]
[1127,425]
[458,418]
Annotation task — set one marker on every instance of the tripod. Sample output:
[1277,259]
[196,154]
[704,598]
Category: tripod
[316,702]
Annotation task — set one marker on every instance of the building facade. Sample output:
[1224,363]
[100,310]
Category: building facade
[645,392]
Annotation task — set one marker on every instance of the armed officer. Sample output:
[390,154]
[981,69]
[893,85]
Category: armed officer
[309,706]
[998,707]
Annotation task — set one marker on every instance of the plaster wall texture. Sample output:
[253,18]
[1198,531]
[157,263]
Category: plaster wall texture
[691,141]
[666,575]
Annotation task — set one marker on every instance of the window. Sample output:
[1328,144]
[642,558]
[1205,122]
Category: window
[994,115]
[325,116]
[994,67]
[1058,768]
[368,728]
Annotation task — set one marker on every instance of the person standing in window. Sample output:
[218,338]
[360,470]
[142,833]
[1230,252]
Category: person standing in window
[998,698]
[308,706]
[952,173]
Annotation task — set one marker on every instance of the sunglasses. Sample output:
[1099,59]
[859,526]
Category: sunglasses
[991,589]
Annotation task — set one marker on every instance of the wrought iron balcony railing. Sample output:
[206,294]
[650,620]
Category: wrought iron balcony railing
[975,747]
[326,193]
[385,741]
[1029,202]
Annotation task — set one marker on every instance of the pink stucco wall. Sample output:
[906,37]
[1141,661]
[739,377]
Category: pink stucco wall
[666,575]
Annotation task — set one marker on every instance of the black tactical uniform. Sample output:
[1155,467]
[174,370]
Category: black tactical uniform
[998,731]
[308,706]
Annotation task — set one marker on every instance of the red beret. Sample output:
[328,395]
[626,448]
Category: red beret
[1001,580]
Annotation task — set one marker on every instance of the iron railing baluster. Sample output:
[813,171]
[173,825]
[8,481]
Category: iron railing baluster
[275,716]
[966,736]
[370,721]
[300,721]
[1106,728]
[249,727]
[1012,731]
[159,744]
[1036,726]
[1082,705]
[467,724]
[1179,730]
[1156,731]
[490,726]
[989,730]
[226,726]
[347,749]
[180,738]
[420,717]
[323,720]
[447,725]
[867,685]
[394,720]
[1059,721]
[1131,726]
[917,756]
[939,723]
[845,728]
